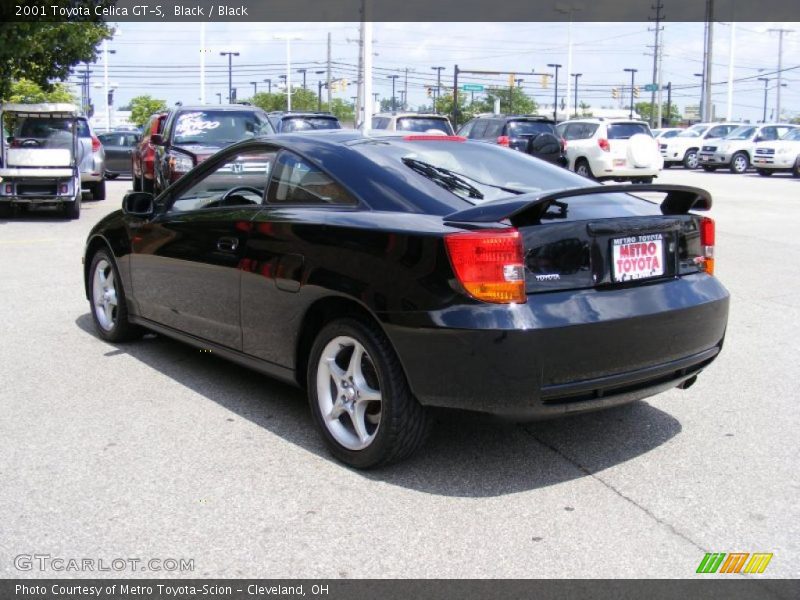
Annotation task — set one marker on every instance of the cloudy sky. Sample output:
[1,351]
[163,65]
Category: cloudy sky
[163,59]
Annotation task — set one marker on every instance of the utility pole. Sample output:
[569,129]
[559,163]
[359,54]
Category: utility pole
[255,87]
[230,56]
[393,78]
[780,33]
[438,85]
[633,78]
[708,63]
[405,90]
[576,75]
[328,70]
[656,52]
[360,82]
[669,103]
[659,96]
[303,71]
[402,99]
[555,91]
[766,89]
[731,53]
[269,85]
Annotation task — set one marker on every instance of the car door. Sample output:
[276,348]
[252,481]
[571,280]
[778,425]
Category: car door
[185,262]
[287,237]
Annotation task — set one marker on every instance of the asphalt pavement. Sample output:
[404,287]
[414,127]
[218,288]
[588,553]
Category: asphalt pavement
[154,450]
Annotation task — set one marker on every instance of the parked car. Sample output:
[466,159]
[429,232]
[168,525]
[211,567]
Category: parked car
[412,123]
[287,122]
[530,134]
[684,147]
[90,153]
[143,155]
[779,155]
[666,132]
[381,277]
[118,147]
[193,133]
[615,149]
[736,149]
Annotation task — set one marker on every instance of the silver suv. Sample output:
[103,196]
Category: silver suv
[736,149]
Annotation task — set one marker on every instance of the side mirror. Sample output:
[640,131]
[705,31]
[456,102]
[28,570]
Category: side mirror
[138,204]
[157,139]
[759,138]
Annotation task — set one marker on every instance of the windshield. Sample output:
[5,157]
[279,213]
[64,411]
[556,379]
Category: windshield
[793,135]
[624,131]
[694,131]
[423,124]
[741,133]
[517,128]
[309,124]
[218,128]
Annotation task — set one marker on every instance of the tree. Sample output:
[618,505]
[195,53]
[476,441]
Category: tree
[25,91]
[643,108]
[302,100]
[42,52]
[143,107]
[585,112]
[344,111]
[512,101]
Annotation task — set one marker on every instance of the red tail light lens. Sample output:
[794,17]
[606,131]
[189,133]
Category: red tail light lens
[504,140]
[604,145]
[16,144]
[563,145]
[707,241]
[96,145]
[489,264]
[434,138]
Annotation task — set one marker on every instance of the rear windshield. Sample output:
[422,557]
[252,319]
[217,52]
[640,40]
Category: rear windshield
[309,124]
[218,128]
[623,131]
[516,128]
[46,128]
[741,133]
[423,124]
[792,136]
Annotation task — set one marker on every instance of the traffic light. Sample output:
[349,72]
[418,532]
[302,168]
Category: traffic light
[544,81]
[614,93]
[636,92]
[429,91]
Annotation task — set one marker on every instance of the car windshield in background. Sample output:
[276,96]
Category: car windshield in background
[35,128]
[215,128]
[421,125]
[741,133]
[793,135]
[517,128]
[309,124]
[624,131]
[693,132]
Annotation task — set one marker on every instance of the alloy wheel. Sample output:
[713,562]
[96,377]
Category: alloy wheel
[104,295]
[739,163]
[348,393]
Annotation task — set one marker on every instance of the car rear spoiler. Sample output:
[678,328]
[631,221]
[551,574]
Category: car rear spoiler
[530,208]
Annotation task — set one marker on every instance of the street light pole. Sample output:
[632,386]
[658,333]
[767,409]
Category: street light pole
[319,91]
[438,85]
[393,78]
[766,90]
[269,85]
[255,87]
[555,91]
[219,97]
[230,56]
[702,94]
[288,76]
[576,75]
[303,71]
[633,76]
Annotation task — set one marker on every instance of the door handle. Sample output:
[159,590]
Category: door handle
[227,244]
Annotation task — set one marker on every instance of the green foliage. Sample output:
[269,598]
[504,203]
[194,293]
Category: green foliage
[143,107]
[42,52]
[25,91]
[301,100]
[344,111]
[643,108]
[512,101]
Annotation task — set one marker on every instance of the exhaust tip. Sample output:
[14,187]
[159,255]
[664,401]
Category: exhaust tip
[688,383]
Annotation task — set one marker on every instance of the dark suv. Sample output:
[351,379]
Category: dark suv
[191,134]
[530,134]
[285,122]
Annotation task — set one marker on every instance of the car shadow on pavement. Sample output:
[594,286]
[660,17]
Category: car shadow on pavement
[467,455]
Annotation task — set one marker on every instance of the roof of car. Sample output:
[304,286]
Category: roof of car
[218,107]
[516,117]
[411,114]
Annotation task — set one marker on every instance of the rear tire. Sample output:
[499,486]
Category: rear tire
[107,301]
[739,163]
[72,210]
[111,175]
[582,168]
[359,396]
[709,168]
[796,168]
[764,172]
[98,189]
[690,159]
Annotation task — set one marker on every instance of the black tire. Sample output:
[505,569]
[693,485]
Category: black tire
[122,330]
[740,162]
[796,168]
[583,168]
[667,165]
[98,189]
[404,423]
[690,159]
[111,175]
[72,210]
[137,184]
[765,172]
[709,168]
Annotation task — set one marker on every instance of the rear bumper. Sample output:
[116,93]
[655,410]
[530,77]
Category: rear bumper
[606,168]
[563,352]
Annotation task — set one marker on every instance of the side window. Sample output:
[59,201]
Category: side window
[240,180]
[494,129]
[479,129]
[561,130]
[109,139]
[379,122]
[466,129]
[296,181]
[769,134]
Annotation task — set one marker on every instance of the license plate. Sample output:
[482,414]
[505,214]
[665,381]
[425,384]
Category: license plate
[619,162]
[637,257]
[759,160]
[706,158]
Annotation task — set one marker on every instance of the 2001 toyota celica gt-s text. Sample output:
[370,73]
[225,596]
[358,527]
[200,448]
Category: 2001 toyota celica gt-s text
[387,275]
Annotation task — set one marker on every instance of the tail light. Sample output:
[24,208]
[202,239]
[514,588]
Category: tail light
[604,145]
[504,140]
[63,189]
[96,145]
[563,145]
[707,239]
[9,189]
[489,264]
[15,144]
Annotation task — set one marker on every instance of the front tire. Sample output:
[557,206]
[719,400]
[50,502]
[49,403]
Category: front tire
[796,168]
[690,159]
[764,172]
[72,210]
[709,168]
[107,301]
[359,396]
[739,163]
[98,189]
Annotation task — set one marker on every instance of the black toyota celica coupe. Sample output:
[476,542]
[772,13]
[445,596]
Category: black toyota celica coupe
[387,275]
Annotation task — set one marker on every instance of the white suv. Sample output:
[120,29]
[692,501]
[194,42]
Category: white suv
[412,123]
[683,148]
[617,149]
[736,149]
[779,155]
